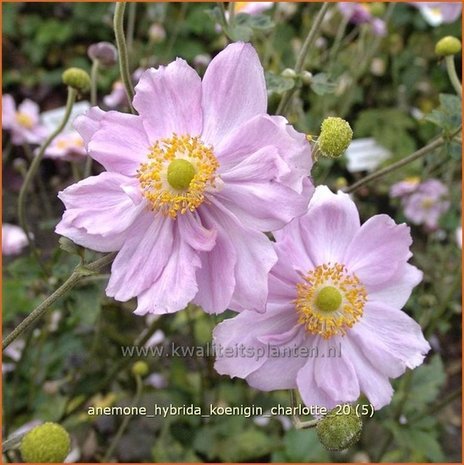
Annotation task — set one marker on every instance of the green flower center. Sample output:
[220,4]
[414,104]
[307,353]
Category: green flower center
[180,174]
[328,299]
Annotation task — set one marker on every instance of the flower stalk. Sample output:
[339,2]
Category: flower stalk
[118,24]
[72,94]
[451,69]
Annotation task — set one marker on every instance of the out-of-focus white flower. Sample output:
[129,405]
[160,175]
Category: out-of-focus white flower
[156,380]
[365,155]
[14,239]
[252,8]
[157,338]
[156,33]
[458,235]
[436,13]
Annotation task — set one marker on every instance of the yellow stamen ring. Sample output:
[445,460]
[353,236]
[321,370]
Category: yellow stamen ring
[178,172]
[329,300]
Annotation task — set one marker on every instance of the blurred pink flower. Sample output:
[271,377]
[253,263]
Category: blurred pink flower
[23,122]
[252,8]
[427,203]
[404,187]
[338,288]
[436,13]
[13,239]
[68,146]
[118,96]
[359,13]
[191,183]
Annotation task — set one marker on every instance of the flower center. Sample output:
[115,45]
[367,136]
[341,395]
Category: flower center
[24,120]
[428,203]
[179,170]
[329,300]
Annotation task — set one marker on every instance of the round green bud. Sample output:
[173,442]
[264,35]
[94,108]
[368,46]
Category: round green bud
[338,430]
[335,137]
[306,77]
[140,368]
[180,174]
[47,443]
[77,78]
[288,73]
[328,299]
[448,45]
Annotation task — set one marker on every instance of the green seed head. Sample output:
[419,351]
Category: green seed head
[77,78]
[140,368]
[328,299]
[335,137]
[449,45]
[47,443]
[180,174]
[338,431]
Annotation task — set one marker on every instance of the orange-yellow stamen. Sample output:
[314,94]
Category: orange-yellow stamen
[329,300]
[24,120]
[159,189]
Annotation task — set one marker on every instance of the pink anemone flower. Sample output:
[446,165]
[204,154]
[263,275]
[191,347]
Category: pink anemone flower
[68,146]
[191,183]
[333,326]
[23,122]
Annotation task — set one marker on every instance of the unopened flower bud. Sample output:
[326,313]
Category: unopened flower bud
[306,77]
[140,368]
[335,137]
[77,78]
[288,73]
[339,430]
[341,182]
[104,52]
[47,443]
[449,45]
[156,33]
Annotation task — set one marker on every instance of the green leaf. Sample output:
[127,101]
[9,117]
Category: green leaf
[247,445]
[448,115]
[278,84]
[303,446]
[322,85]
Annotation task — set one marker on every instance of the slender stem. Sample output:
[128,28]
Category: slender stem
[399,164]
[177,27]
[93,82]
[72,93]
[125,422]
[118,24]
[131,25]
[231,10]
[40,310]
[310,38]
[451,68]
[295,418]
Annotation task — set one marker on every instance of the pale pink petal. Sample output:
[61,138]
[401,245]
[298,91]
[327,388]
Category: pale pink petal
[91,208]
[378,238]
[142,258]
[89,123]
[120,143]
[268,131]
[374,385]
[234,91]
[329,226]
[8,111]
[397,290]
[397,333]
[238,349]
[169,100]
[176,286]
[252,192]
[254,254]
[195,234]
[334,374]
[31,109]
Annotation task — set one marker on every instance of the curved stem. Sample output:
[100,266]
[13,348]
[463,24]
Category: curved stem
[118,24]
[72,93]
[310,38]
[125,422]
[451,68]
[399,164]
[80,272]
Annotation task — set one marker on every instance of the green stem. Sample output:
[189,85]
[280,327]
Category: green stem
[399,164]
[118,24]
[125,422]
[80,272]
[72,93]
[451,68]
[310,38]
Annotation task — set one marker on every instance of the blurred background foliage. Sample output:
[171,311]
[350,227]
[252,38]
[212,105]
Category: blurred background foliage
[393,89]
